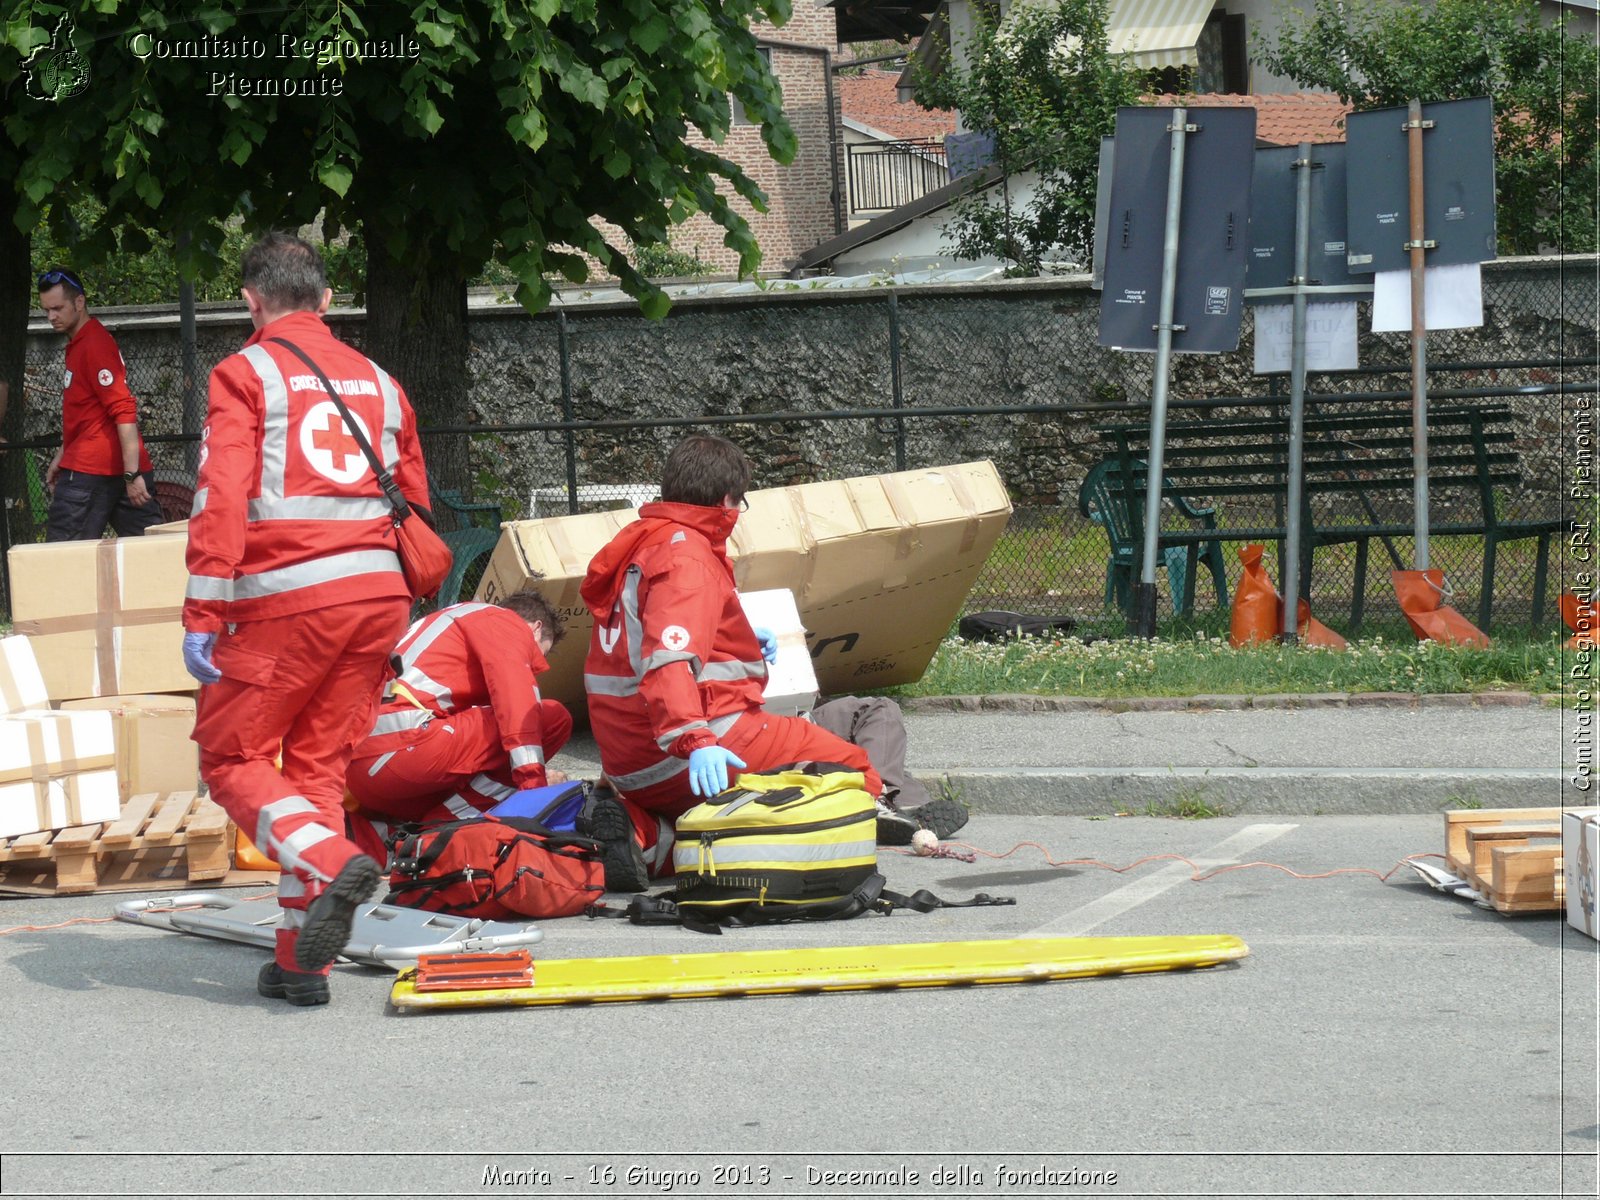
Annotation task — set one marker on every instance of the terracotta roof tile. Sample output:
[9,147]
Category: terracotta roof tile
[1283,119]
[870,99]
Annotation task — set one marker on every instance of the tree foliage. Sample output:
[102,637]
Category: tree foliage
[500,130]
[1542,82]
[1043,85]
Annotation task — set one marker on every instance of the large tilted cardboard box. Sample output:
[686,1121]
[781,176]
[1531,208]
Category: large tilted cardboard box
[21,685]
[105,618]
[154,752]
[56,769]
[879,567]
[1580,860]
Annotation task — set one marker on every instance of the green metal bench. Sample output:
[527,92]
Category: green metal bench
[1366,455]
[475,533]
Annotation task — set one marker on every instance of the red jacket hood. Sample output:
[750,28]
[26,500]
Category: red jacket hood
[602,584]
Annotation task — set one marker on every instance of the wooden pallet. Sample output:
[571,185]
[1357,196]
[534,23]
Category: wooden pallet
[1505,853]
[159,842]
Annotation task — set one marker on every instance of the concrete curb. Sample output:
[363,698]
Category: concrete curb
[1230,791]
[1026,702]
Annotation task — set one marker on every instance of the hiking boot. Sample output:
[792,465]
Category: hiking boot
[943,814]
[280,983]
[606,821]
[331,914]
[895,828]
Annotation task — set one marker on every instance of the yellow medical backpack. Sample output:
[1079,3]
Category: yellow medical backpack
[781,845]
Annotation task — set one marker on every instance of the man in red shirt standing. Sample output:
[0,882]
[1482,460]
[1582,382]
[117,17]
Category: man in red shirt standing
[295,597]
[101,474]
[675,672]
[462,726]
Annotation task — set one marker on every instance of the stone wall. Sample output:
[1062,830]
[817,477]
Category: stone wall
[983,346]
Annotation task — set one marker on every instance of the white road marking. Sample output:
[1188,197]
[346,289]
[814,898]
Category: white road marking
[1147,887]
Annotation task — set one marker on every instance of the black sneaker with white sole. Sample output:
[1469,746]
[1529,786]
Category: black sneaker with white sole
[279,983]
[606,820]
[328,920]
[942,815]
[895,828]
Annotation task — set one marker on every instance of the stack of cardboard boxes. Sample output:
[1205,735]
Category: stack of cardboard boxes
[95,704]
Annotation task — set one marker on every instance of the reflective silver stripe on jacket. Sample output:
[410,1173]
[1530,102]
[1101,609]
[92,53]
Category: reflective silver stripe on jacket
[406,718]
[664,658]
[731,670]
[686,854]
[274,420]
[388,447]
[418,638]
[199,505]
[490,787]
[208,587]
[522,756]
[610,685]
[666,739]
[320,508]
[318,570]
[381,763]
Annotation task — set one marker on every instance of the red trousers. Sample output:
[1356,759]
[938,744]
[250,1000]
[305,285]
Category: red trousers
[454,757]
[307,683]
[763,741]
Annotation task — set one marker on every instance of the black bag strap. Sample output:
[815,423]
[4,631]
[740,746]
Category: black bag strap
[391,490]
[869,896]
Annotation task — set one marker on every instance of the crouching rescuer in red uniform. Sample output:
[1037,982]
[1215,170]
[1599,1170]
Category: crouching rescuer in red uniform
[295,598]
[462,726]
[675,672]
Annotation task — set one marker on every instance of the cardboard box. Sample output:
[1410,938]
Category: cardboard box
[105,618]
[1580,858]
[21,685]
[791,687]
[154,753]
[880,566]
[180,527]
[56,769]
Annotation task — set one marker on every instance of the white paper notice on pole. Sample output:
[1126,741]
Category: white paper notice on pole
[1330,337]
[1453,298]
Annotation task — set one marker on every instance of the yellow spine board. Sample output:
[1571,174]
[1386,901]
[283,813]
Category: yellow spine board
[832,969]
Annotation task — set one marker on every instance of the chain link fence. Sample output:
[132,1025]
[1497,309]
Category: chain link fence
[576,409]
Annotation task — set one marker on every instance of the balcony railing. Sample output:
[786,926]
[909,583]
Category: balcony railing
[885,175]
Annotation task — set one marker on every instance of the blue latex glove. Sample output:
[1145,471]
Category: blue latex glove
[708,769]
[197,656]
[769,642]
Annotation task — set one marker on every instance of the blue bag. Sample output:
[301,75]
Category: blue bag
[555,806]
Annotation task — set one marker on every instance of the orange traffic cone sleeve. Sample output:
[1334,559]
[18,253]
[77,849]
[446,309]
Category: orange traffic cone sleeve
[1258,609]
[1255,602]
[246,857]
[1314,633]
[1579,617]
[1422,595]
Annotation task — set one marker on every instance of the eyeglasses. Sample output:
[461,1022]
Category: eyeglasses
[50,278]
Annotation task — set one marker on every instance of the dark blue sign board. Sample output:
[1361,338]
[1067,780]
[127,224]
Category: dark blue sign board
[1272,217]
[1214,229]
[1457,186]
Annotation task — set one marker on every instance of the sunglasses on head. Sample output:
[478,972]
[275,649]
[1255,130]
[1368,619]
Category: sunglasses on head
[50,278]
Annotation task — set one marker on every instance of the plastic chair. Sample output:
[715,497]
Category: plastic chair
[468,545]
[1106,504]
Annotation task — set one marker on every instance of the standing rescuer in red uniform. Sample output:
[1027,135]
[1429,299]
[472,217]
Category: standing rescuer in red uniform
[295,598]
[675,672]
[101,474]
[462,726]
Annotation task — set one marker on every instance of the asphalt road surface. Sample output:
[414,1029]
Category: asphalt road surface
[1380,1039]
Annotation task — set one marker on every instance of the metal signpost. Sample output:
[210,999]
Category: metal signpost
[1298,203]
[1449,190]
[1201,204]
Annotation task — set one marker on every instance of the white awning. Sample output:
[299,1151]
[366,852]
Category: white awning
[1157,33]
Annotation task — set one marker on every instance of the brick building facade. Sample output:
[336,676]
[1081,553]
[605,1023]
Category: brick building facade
[800,197]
